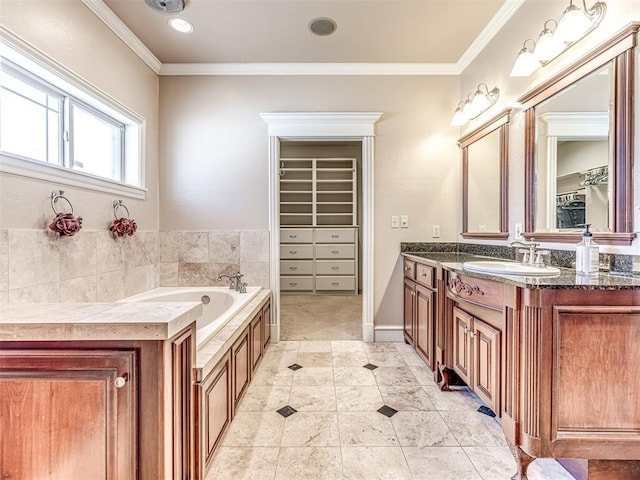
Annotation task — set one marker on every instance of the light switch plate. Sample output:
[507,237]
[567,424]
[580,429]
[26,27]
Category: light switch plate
[395,221]
[518,231]
[436,231]
[404,221]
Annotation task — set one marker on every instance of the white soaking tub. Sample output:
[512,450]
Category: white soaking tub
[219,304]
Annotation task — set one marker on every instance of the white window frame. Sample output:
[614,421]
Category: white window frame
[78,91]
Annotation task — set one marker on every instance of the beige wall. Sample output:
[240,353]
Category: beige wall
[494,64]
[70,34]
[214,172]
[38,267]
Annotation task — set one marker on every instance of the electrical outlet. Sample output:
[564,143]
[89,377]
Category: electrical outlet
[436,231]
[395,221]
[518,231]
[482,228]
[404,221]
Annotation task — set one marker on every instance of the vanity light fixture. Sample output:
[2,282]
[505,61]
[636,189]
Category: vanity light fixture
[556,37]
[474,105]
[181,25]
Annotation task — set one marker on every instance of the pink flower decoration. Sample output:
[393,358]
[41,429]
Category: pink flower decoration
[123,226]
[66,225]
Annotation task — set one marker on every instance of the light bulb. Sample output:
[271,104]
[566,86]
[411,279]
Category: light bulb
[458,118]
[181,25]
[548,46]
[480,102]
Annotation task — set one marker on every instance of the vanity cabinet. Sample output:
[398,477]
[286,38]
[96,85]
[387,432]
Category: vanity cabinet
[420,309]
[83,408]
[266,323]
[241,366]
[257,331]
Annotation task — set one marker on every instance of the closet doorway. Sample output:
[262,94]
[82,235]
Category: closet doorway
[319,128]
[320,253]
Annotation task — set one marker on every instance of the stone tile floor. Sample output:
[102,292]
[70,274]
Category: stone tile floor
[337,433]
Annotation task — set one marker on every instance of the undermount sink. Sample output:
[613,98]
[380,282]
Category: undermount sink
[509,268]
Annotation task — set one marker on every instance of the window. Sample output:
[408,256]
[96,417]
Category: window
[49,120]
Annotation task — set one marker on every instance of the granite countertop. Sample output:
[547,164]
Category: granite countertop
[96,321]
[567,279]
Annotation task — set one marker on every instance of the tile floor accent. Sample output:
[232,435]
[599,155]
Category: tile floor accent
[335,431]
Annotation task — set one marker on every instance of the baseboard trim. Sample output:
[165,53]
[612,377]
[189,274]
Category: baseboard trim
[388,333]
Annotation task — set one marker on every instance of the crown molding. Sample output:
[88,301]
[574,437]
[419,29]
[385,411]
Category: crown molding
[309,69]
[118,27]
[508,9]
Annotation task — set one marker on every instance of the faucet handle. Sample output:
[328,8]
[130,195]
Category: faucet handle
[539,262]
[525,254]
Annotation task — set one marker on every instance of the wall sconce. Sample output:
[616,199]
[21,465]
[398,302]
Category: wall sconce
[556,37]
[474,105]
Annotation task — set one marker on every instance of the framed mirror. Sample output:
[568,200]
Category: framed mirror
[485,153]
[578,148]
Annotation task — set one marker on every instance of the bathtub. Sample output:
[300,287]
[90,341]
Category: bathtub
[219,304]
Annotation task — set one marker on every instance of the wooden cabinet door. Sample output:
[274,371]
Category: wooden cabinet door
[68,414]
[462,345]
[486,363]
[266,320]
[256,340]
[424,324]
[408,317]
[214,414]
[240,366]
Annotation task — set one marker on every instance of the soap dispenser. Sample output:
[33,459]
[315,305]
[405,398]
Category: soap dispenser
[587,254]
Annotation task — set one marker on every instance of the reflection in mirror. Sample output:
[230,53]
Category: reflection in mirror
[482,184]
[484,179]
[579,147]
[574,157]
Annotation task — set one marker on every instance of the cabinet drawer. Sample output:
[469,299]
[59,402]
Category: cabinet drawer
[425,274]
[475,290]
[296,235]
[409,269]
[296,251]
[296,283]
[335,251]
[335,283]
[337,267]
[296,267]
[335,235]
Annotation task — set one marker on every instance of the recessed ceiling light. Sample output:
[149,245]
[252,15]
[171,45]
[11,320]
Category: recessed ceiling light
[181,25]
[323,26]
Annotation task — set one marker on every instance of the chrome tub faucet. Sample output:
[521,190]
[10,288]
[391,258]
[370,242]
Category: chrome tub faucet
[235,281]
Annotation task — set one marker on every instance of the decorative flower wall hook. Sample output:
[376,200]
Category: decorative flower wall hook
[64,224]
[122,226]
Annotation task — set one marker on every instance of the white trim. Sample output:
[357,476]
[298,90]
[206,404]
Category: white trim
[577,125]
[104,13]
[423,69]
[64,176]
[323,127]
[508,9]
[389,333]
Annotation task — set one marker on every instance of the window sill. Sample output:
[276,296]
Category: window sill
[59,175]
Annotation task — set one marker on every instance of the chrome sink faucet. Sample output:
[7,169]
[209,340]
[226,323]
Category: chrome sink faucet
[530,254]
[235,282]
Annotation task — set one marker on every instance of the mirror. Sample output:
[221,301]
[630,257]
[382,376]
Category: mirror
[484,179]
[578,151]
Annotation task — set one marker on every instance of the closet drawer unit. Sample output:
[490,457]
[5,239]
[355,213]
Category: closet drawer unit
[335,283]
[296,283]
[296,235]
[296,267]
[335,251]
[335,267]
[296,251]
[335,235]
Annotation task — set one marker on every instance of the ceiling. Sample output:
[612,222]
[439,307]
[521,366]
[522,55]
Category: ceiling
[276,31]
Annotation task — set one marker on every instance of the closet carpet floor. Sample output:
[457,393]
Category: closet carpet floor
[321,317]
[358,410]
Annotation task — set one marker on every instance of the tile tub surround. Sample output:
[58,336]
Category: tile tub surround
[434,435]
[619,263]
[38,267]
[197,258]
[97,321]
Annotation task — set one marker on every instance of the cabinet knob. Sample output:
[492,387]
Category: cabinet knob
[293,252]
[423,274]
[335,284]
[335,252]
[293,284]
[121,381]
[293,236]
[293,268]
[472,334]
[335,268]
[406,269]
[335,236]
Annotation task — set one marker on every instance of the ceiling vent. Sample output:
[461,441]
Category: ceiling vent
[166,6]
[323,26]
